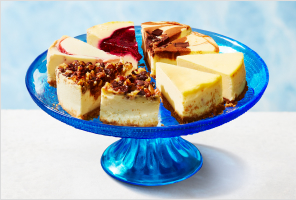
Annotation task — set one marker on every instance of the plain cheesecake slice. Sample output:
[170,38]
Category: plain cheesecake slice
[156,34]
[195,43]
[130,101]
[79,86]
[117,38]
[229,65]
[68,49]
[189,94]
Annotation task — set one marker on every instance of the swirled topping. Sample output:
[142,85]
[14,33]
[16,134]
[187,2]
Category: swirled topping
[121,42]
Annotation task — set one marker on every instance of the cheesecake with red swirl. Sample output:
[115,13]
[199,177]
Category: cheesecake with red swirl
[67,50]
[117,38]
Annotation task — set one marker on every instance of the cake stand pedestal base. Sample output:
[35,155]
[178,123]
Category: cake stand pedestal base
[151,162]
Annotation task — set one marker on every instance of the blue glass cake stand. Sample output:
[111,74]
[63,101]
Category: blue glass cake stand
[152,156]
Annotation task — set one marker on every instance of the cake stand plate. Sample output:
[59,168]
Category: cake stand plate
[152,155]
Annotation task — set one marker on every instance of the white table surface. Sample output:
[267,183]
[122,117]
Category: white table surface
[253,156]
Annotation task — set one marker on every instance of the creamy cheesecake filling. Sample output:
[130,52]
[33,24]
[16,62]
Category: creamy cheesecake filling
[229,65]
[130,100]
[116,109]
[190,95]
[79,85]
[77,103]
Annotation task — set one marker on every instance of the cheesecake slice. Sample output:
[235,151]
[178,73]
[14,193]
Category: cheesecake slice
[195,43]
[130,101]
[229,65]
[79,85]
[68,49]
[189,94]
[156,34]
[117,38]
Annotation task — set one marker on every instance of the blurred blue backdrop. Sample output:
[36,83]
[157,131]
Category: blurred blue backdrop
[269,28]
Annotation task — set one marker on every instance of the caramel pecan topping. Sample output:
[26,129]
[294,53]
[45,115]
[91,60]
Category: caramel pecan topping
[137,83]
[92,76]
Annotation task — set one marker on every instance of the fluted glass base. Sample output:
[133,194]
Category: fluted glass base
[151,162]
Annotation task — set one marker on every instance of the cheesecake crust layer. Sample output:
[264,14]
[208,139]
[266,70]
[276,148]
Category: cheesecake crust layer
[128,123]
[52,83]
[234,102]
[214,110]
[88,116]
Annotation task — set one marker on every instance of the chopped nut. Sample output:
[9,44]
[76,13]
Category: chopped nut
[80,82]
[147,92]
[91,67]
[91,76]
[127,82]
[92,73]
[109,66]
[79,68]
[101,75]
[151,89]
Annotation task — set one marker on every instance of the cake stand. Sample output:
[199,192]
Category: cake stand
[153,156]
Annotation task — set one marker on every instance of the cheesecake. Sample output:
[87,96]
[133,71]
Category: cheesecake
[68,49]
[117,38]
[130,101]
[229,65]
[79,85]
[189,94]
[194,43]
[156,34]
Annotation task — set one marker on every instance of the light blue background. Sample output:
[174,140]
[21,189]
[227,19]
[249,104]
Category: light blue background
[269,28]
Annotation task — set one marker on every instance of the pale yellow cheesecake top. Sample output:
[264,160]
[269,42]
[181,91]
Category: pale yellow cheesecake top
[225,63]
[229,65]
[188,80]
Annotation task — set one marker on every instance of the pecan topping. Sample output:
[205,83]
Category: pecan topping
[93,76]
[137,83]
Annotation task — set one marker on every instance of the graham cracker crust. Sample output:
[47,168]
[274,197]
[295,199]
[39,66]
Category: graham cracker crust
[91,115]
[128,123]
[88,116]
[234,102]
[52,83]
[215,110]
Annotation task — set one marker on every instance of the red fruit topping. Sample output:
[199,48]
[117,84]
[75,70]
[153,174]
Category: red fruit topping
[61,48]
[121,42]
